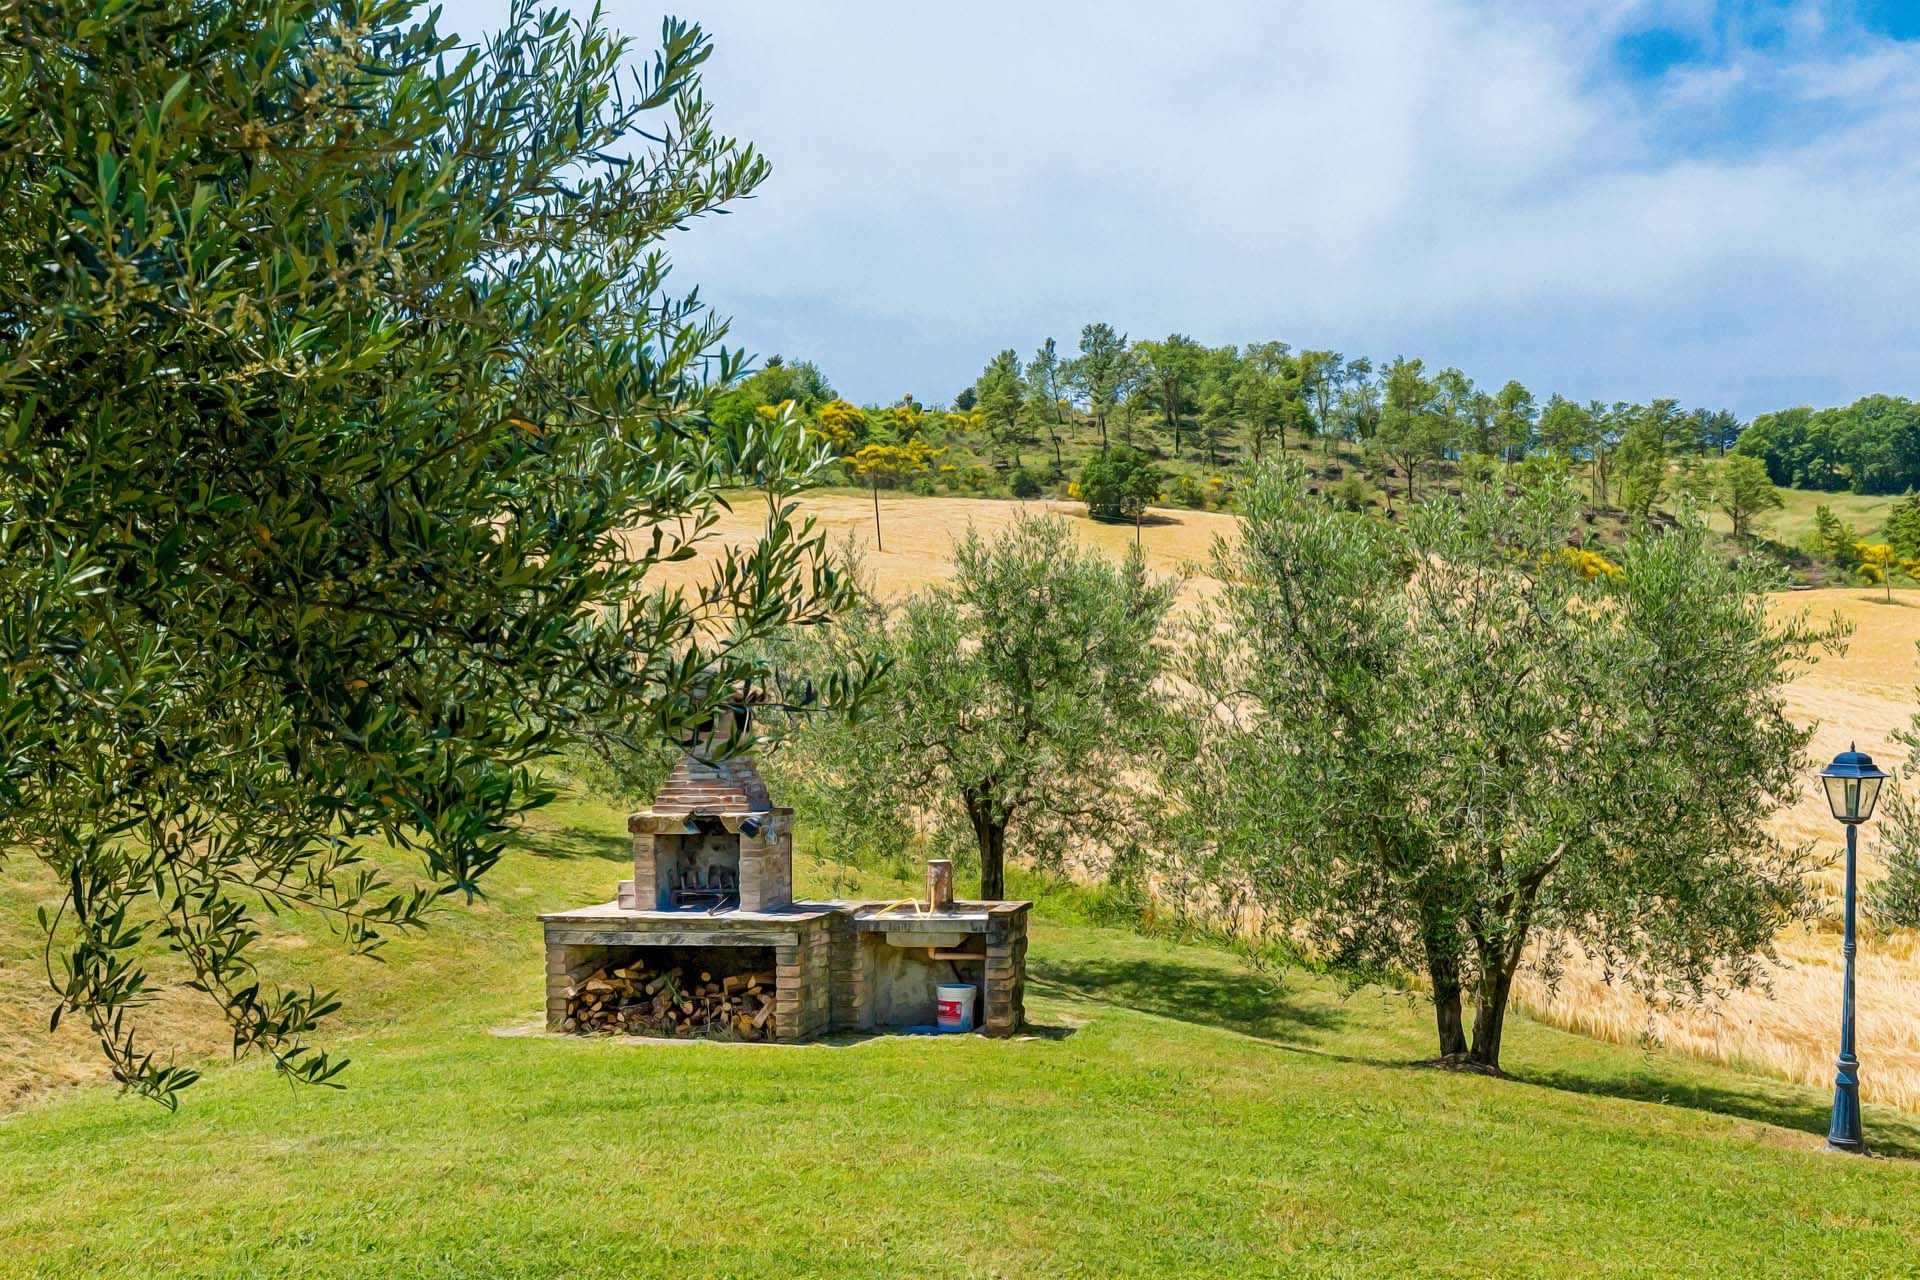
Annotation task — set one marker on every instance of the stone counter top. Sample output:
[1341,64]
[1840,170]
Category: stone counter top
[612,913]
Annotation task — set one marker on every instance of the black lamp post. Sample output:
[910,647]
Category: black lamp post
[1853,784]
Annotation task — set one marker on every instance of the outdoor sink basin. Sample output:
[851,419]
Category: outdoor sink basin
[917,939]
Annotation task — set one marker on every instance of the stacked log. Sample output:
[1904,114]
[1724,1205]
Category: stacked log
[636,1000]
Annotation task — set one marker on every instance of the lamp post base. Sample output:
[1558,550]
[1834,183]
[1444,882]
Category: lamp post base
[1844,1134]
[1849,1148]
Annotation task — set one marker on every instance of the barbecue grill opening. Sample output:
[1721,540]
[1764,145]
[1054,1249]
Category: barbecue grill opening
[699,868]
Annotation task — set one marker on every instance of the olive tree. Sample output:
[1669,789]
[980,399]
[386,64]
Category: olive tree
[1895,897]
[1457,746]
[345,417]
[1017,697]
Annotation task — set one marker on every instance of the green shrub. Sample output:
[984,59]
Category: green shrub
[1024,484]
[1478,468]
[1538,469]
[1352,493]
[1118,483]
[1184,491]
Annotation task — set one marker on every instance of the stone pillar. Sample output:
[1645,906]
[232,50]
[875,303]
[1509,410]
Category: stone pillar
[817,965]
[846,976]
[646,888]
[802,993]
[1006,976]
[766,863]
[786,1009]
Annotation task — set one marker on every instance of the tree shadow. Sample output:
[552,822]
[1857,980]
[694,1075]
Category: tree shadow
[1782,1105]
[573,842]
[1258,1005]
[1249,1003]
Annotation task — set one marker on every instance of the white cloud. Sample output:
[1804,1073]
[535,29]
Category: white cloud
[1472,183]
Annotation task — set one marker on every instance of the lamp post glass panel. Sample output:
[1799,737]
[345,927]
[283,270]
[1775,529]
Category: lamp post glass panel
[1853,785]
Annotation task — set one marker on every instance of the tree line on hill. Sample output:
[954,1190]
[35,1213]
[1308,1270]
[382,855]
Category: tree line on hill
[1122,404]
[1871,446]
[1182,398]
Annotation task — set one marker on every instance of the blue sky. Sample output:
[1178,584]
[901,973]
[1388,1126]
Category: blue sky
[1615,199]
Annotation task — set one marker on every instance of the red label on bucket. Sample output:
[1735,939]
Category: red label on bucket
[950,1009]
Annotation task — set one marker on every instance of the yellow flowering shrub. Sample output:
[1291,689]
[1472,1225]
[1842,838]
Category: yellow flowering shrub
[1876,560]
[1588,564]
[838,425]
[893,462]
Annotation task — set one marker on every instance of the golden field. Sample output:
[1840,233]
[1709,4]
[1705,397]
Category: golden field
[1862,696]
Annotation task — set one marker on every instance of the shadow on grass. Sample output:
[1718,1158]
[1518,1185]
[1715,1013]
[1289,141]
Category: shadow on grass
[573,842]
[1241,1000]
[1889,1132]
[1252,1004]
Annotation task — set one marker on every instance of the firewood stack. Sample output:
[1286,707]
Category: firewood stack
[636,1000]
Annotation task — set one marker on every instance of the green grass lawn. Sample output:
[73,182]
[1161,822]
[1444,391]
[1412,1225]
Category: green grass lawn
[1175,1113]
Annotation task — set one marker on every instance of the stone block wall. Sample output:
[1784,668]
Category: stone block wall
[846,976]
[803,964]
[1006,976]
[766,863]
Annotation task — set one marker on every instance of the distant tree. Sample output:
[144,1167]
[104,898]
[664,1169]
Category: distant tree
[1456,401]
[1831,540]
[1118,483]
[965,400]
[1876,563]
[886,465]
[1869,446]
[1642,463]
[1496,759]
[1742,490]
[840,424]
[1258,404]
[1216,424]
[1513,419]
[1170,373]
[1102,372]
[1565,428]
[780,381]
[1412,429]
[1610,424]
[1357,416]
[1003,404]
[1046,391]
[1007,727]
[1321,374]
[1902,528]
[1714,431]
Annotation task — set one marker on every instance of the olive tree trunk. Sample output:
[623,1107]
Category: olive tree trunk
[990,834]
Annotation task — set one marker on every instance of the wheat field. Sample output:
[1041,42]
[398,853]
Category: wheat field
[1792,1027]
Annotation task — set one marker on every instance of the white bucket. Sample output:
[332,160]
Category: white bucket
[953,1003]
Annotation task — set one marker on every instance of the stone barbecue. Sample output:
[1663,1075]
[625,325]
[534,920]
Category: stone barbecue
[706,939]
